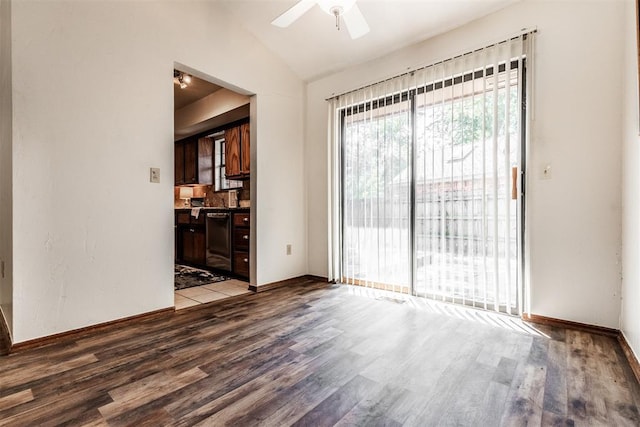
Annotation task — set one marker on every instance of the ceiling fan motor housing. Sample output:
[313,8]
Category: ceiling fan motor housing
[346,10]
[336,7]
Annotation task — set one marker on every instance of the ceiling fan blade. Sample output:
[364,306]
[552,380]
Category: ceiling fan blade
[295,12]
[356,24]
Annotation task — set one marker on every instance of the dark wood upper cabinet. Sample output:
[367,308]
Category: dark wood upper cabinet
[205,161]
[245,158]
[179,163]
[194,161]
[238,152]
[190,162]
[232,152]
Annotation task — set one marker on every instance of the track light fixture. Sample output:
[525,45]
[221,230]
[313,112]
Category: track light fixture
[182,79]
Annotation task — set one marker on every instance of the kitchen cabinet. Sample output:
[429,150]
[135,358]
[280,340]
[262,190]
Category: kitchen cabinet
[238,152]
[232,152]
[245,150]
[190,238]
[241,240]
[193,245]
[178,157]
[193,159]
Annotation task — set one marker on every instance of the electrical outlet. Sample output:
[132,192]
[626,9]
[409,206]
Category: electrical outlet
[154,175]
[288,249]
[546,172]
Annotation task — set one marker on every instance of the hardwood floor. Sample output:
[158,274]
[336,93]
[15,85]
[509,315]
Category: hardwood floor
[5,340]
[314,354]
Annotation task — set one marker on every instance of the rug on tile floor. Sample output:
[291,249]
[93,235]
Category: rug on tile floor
[188,277]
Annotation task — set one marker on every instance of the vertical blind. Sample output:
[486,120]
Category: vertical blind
[425,171]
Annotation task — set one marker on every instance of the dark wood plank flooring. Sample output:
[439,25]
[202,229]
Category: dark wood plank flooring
[313,354]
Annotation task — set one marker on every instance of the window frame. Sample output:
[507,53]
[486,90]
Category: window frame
[220,182]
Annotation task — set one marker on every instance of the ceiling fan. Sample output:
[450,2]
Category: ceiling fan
[347,10]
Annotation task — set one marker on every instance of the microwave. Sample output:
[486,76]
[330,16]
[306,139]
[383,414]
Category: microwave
[197,202]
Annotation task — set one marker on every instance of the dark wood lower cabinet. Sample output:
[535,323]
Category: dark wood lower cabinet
[241,264]
[241,238]
[191,241]
[193,245]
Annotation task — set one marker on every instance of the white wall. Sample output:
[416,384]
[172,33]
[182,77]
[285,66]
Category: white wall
[280,198]
[93,239]
[6,287]
[630,316]
[574,218]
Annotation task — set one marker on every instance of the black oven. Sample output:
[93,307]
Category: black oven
[219,240]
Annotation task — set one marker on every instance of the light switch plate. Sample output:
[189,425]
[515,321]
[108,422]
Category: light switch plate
[546,172]
[154,175]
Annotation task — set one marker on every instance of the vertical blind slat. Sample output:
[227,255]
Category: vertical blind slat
[485,224]
[494,189]
[507,180]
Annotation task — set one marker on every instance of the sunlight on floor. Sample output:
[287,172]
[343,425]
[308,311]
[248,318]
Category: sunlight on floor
[490,318]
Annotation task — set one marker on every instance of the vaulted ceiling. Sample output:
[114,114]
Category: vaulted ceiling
[313,47]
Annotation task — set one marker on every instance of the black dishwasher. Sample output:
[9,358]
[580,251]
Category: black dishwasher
[219,240]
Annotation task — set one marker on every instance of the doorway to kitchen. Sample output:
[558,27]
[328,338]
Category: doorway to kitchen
[212,207]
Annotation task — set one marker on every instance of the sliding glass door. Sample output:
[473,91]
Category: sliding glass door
[431,201]
[376,187]
[468,148]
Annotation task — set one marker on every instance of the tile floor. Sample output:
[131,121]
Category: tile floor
[207,293]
